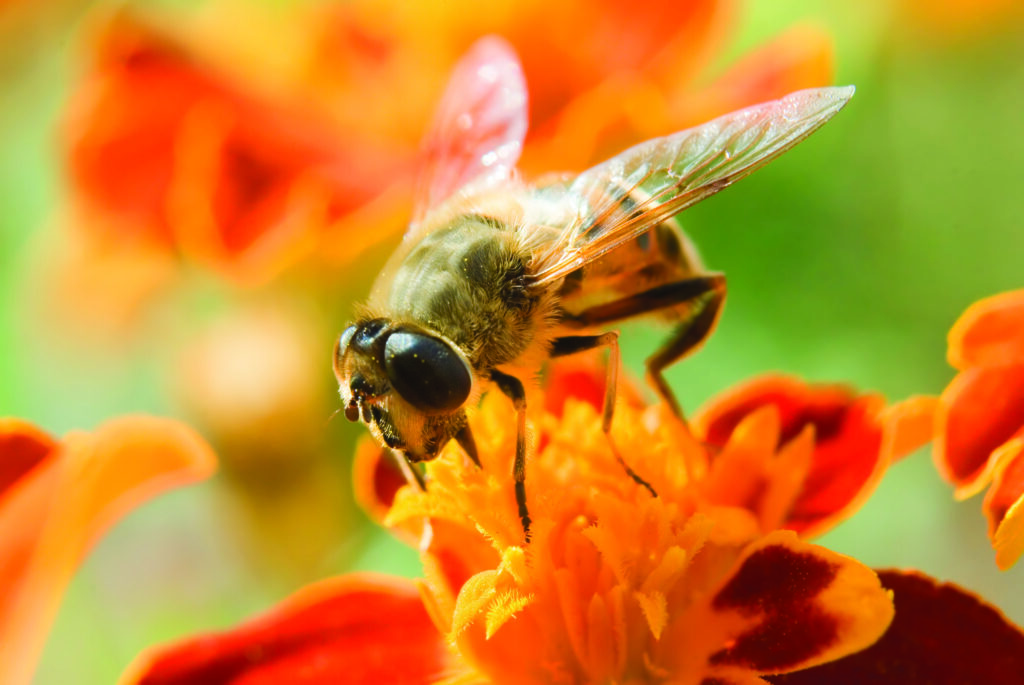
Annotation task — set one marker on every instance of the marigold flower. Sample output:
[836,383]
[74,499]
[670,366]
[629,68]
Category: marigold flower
[979,430]
[57,497]
[615,585]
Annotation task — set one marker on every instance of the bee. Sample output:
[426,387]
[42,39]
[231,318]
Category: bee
[494,276]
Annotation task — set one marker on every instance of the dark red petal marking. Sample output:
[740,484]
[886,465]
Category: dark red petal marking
[355,629]
[798,404]
[942,635]
[775,578]
[783,640]
[20,453]
[781,584]
[842,464]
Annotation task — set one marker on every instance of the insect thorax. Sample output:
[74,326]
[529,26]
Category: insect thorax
[467,281]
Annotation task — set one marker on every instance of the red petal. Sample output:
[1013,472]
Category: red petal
[22,448]
[942,635]
[980,410]
[990,332]
[583,377]
[376,478]
[848,456]
[352,629]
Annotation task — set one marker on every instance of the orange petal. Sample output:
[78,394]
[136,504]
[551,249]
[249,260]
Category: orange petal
[1004,503]
[787,605]
[751,473]
[801,57]
[359,628]
[848,460]
[909,425]
[942,635]
[50,517]
[990,332]
[980,410]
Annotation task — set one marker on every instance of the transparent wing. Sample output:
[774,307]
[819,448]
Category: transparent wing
[478,130]
[620,199]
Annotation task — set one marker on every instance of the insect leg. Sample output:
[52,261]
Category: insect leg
[411,473]
[465,439]
[513,389]
[685,338]
[579,343]
[703,296]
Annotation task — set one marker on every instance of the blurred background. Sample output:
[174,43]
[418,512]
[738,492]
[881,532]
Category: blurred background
[194,193]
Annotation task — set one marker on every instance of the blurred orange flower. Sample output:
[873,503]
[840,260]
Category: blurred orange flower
[57,497]
[214,149]
[690,586]
[979,432]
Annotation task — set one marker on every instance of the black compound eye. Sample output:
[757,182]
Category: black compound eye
[364,335]
[426,372]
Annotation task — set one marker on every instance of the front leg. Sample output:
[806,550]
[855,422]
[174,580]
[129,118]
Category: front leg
[513,389]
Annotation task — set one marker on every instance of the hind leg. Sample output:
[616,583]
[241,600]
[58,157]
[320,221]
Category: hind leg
[701,298]
[686,337]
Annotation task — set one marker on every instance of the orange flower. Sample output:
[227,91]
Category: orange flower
[57,497]
[615,585]
[979,431]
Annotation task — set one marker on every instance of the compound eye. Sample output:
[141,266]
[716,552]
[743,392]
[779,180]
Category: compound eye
[339,349]
[426,372]
[346,338]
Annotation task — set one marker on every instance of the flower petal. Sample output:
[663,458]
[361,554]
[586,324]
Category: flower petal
[909,424]
[941,635]
[354,629]
[582,377]
[1004,503]
[376,479]
[49,518]
[801,57]
[989,332]
[980,410]
[204,165]
[22,448]
[848,459]
[786,605]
